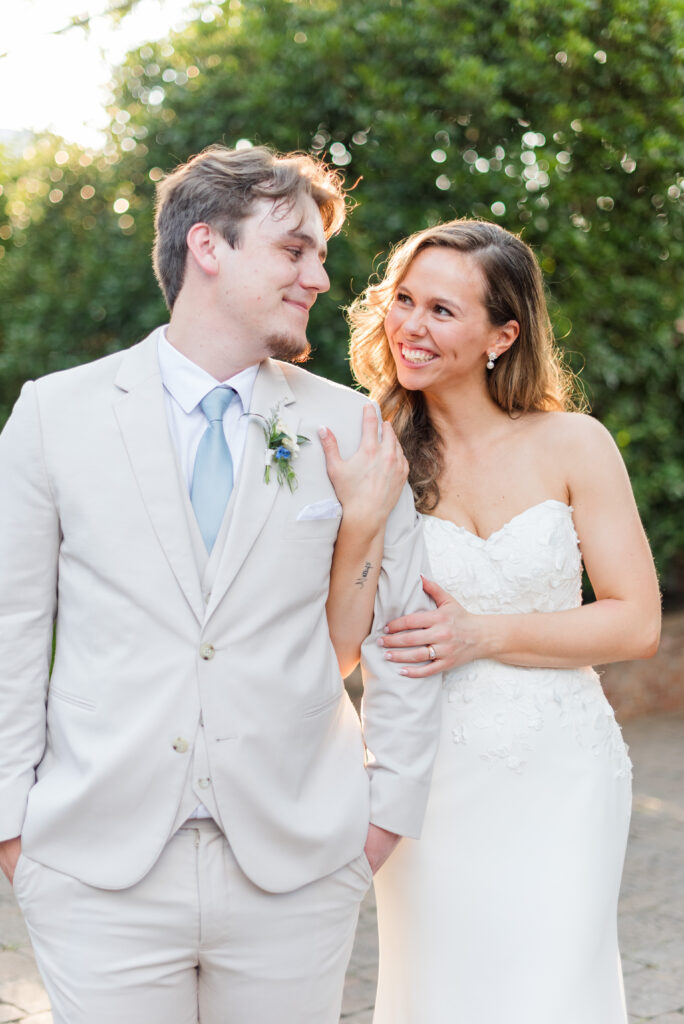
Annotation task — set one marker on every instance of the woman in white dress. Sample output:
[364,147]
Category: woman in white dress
[505,911]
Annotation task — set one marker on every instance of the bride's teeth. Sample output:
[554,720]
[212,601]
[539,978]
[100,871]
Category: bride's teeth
[417,355]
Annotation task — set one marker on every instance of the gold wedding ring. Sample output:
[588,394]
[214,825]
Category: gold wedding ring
[431,652]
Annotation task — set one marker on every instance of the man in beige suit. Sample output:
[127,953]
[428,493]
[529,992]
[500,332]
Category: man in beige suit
[185,801]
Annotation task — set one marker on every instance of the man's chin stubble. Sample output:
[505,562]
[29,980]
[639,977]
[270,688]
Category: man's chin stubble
[291,350]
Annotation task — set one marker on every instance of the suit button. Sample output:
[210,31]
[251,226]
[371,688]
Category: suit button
[180,745]
[207,652]
[203,783]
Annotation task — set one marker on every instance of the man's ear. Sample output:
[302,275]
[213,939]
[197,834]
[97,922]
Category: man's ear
[505,337]
[201,243]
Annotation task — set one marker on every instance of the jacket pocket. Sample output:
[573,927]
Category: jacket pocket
[319,709]
[313,529]
[71,698]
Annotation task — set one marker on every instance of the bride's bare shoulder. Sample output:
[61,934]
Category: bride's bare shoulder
[576,444]
[569,428]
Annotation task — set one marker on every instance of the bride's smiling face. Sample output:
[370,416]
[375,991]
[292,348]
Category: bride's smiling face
[437,326]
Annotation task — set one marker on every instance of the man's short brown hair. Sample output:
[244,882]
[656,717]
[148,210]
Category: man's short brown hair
[220,186]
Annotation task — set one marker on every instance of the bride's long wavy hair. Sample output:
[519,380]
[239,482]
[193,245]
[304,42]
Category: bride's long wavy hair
[530,376]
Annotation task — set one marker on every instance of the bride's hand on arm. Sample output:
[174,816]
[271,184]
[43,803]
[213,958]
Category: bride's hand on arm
[453,634]
[367,486]
[368,483]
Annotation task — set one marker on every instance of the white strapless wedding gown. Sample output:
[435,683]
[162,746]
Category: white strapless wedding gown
[505,911]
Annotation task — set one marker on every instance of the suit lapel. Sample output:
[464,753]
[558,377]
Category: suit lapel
[253,497]
[143,423]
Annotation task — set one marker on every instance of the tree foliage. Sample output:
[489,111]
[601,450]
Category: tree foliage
[563,121]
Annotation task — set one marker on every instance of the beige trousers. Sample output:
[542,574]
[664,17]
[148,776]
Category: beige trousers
[193,941]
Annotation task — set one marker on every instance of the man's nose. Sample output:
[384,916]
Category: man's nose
[315,276]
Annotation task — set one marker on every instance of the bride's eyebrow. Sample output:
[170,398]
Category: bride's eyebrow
[450,303]
[433,300]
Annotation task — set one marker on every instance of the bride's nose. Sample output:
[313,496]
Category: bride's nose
[414,325]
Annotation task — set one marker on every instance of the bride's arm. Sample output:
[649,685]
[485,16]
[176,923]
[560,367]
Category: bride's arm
[367,486]
[624,621]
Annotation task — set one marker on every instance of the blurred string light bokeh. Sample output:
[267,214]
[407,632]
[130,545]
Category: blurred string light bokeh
[55,77]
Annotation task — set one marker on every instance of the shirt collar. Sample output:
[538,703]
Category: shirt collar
[188,383]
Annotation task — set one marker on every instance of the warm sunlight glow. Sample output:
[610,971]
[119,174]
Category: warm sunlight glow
[60,82]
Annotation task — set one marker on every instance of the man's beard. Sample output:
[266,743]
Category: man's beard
[288,348]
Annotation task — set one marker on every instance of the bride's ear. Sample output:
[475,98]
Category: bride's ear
[506,336]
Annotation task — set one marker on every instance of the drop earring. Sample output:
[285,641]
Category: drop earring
[492,359]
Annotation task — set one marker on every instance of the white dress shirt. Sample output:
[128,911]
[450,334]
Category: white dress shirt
[185,385]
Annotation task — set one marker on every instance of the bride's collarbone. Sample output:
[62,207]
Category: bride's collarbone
[483,491]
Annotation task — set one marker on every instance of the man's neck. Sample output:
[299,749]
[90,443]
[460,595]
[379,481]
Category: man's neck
[208,345]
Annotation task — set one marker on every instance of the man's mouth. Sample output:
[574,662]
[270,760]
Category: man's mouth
[303,306]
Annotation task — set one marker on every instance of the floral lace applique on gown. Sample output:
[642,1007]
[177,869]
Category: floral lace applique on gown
[505,911]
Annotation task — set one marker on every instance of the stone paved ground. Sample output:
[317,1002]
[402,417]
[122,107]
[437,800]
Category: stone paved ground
[651,908]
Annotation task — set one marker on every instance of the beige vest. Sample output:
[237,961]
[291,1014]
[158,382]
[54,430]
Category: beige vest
[198,785]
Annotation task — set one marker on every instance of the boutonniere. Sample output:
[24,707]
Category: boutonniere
[282,447]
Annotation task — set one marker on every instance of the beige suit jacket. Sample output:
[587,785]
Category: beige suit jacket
[93,533]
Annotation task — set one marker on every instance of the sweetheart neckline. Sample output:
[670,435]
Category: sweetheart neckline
[509,522]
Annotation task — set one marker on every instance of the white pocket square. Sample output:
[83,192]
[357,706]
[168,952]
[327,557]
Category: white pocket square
[327,509]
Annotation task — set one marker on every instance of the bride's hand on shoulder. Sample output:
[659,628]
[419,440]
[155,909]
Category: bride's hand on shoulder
[452,634]
[367,484]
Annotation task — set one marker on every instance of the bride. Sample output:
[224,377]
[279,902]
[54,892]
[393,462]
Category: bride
[505,911]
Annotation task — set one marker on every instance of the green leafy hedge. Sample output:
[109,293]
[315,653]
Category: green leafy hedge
[563,121]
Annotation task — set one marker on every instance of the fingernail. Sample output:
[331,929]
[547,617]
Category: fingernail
[322,433]
[381,642]
[388,655]
[386,629]
[403,671]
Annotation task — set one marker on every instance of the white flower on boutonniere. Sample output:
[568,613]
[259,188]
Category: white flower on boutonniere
[282,446]
[290,440]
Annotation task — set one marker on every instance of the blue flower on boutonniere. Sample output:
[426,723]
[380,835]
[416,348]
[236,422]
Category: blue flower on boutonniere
[282,447]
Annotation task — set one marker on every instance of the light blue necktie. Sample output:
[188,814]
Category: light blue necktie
[212,477]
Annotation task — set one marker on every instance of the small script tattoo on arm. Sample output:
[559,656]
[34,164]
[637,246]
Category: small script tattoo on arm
[361,581]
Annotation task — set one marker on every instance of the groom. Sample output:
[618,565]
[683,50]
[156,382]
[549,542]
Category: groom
[184,803]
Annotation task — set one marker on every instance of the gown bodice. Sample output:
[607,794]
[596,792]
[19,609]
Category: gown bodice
[532,564]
